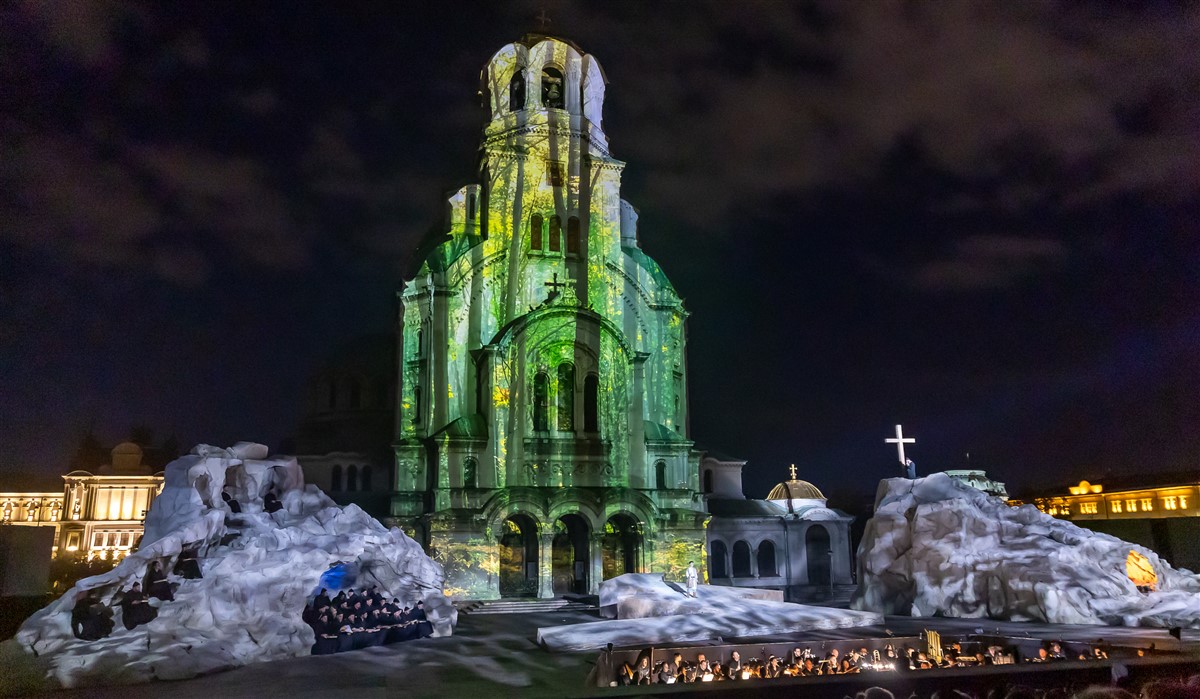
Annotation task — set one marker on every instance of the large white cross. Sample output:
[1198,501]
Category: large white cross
[900,441]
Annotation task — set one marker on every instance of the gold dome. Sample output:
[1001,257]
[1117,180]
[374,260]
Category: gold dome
[795,490]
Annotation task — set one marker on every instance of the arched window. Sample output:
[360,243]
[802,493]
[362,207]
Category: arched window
[566,398]
[470,466]
[573,236]
[471,207]
[335,478]
[555,234]
[591,403]
[366,477]
[420,342]
[416,404]
[541,402]
[741,560]
[717,561]
[660,475]
[516,91]
[708,480]
[535,232]
[352,478]
[766,559]
[553,94]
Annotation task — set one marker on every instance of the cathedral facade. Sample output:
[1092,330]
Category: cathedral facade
[541,423]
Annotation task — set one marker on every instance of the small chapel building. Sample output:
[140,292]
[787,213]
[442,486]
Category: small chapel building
[542,439]
[792,541]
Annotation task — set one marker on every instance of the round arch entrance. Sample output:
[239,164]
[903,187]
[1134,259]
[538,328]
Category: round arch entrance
[622,545]
[570,555]
[519,557]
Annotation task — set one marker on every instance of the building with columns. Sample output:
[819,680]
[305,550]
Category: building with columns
[791,541]
[542,418]
[96,515]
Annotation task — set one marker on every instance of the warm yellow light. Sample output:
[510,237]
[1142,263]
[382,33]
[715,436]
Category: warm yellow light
[1140,571]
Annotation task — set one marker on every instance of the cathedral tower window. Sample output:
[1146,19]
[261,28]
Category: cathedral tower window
[416,404]
[352,478]
[553,95]
[470,466]
[541,402]
[566,398]
[591,403]
[366,477]
[660,475]
[516,91]
[555,233]
[335,478]
[535,232]
[573,236]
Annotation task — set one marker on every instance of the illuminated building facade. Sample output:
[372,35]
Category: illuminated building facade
[542,440]
[1159,511]
[97,515]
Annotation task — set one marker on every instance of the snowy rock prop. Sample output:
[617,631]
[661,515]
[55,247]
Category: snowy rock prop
[651,611]
[937,547]
[259,570]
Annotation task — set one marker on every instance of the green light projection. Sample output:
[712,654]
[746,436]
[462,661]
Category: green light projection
[538,277]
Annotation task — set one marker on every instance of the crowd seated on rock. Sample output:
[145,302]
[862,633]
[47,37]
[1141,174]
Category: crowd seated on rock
[92,620]
[362,618]
[670,667]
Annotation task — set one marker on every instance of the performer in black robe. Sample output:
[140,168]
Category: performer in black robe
[603,674]
[233,505]
[271,502]
[156,583]
[321,600]
[135,609]
[91,620]
[187,566]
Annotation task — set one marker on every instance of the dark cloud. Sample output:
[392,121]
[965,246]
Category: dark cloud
[989,262]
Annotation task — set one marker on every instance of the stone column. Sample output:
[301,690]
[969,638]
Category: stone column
[546,564]
[596,556]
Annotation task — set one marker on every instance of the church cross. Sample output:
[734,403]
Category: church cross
[556,285]
[900,441]
[793,471]
[543,19]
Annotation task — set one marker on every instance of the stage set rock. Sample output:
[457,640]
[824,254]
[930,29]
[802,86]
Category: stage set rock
[238,544]
[938,547]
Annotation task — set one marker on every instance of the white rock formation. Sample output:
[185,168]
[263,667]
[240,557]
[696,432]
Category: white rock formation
[938,547]
[259,569]
[651,611]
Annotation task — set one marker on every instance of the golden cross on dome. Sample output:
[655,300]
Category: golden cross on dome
[543,19]
[793,471]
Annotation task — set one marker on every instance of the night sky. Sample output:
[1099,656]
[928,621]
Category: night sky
[978,219]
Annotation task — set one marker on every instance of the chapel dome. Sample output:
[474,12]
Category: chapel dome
[795,490]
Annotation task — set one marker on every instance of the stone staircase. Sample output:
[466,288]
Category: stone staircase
[523,606]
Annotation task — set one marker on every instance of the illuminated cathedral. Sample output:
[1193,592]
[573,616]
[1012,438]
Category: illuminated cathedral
[542,414]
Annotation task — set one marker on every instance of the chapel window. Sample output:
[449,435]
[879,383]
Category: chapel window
[535,232]
[352,478]
[573,236]
[335,478]
[741,560]
[766,559]
[566,398]
[591,403]
[660,475]
[416,403]
[541,400]
[555,233]
[516,91]
[553,94]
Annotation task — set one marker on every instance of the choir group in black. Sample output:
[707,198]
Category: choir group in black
[92,620]
[802,662]
[362,619]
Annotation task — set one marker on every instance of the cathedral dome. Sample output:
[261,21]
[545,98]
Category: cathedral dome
[795,490]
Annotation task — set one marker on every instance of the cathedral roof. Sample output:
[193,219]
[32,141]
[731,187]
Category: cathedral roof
[795,490]
[647,263]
